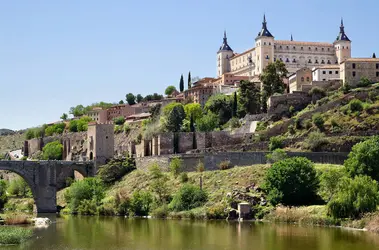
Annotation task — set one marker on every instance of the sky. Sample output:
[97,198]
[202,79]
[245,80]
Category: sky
[57,54]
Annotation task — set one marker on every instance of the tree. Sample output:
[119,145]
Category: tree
[169,90]
[249,98]
[188,197]
[364,159]
[292,181]
[272,80]
[354,197]
[181,84]
[194,110]
[119,120]
[235,105]
[121,102]
[139,98]
[222,105]
[64,116]
[373,55]
[175,118]
[130,99]
[189,80]
[208,122]
[53,151]
[3,193]
[77,111]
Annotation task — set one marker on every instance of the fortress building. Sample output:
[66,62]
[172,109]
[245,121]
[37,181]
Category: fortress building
[295,54]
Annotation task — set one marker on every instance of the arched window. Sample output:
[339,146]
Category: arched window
[308,78]
[294,60]
[322,62]
[287,60]
[309,61]
[302,79]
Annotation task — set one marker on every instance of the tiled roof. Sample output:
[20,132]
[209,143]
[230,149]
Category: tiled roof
[243,53]
[287,42]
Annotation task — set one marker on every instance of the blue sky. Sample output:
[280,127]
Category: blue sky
[56,54]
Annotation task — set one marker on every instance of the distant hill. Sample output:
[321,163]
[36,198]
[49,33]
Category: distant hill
[4,131]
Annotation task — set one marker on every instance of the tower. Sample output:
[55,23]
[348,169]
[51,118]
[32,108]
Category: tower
[342,45]
[223,57]
[264,47]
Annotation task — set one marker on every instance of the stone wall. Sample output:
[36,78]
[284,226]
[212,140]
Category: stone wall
[326,85]
[165,143]
[240,159]
[186,142]
[279,104]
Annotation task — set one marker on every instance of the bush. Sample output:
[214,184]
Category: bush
[160,212]
[364,159]
[317,91]
[225,165]
[159,184]
[315,140]
[277,155]
[175,166]
[187,198]
[364,82]
[140,203]
[184,177]
[208,122]
[354,198]
[87,207]
[292,181]
[126,128]
[19,188]
[200,167]
[122,203]
[217,212]
[14,235]
[318,121]
[119,120]
[53,151]
[3,193]
[355,105]
[308,124]
[115,169]
[329,180]
[90,189]
[276,142]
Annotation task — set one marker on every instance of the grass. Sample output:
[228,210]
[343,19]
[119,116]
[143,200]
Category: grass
[14,235]
[16,219]
[11,142]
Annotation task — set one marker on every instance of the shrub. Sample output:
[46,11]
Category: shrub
[315,140]
[225,165]
[115,169]
[53,151]
[291,110]
[14,235]
[69,181]
[187,198]
[176,165]
[140,203]
[208,122]
[160,212]
[91,189]
[308,124]
[329,180]
[364,82]
[298,123]
[291,129]
[184,177]
[3,193]
[355,105]
[292,181]
[354,197]
[200,167]
[119,120]
[364,159]
[317,91]
[18,187]
[318,121]
[276,142]
[122,203]
[217,211]
[159,184]
[126,128]
[277,155]
[87,207]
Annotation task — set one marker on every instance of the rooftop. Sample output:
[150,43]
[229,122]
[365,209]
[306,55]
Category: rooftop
[368,59]
[287,42]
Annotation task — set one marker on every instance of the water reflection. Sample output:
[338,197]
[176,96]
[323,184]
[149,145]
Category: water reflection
[141,234]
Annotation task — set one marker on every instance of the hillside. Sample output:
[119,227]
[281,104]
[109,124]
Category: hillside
[11,142]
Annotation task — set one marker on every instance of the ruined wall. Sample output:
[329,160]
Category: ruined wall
[185,142]
[279,104]
[165,143]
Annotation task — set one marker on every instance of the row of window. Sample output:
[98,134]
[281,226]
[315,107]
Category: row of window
[354,74]
[309,61]
[308,79]
[302,48]
[330,72]
[354,66]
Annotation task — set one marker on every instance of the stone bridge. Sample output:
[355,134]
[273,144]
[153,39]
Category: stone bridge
[45,178]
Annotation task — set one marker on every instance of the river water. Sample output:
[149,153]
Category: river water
[139,234]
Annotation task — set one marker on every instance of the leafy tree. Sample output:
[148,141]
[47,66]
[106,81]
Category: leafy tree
[77,111]
[181,84]
[329,180]
[130,99]
[115,169]
[52,151]
[159,184]
[364,82]
[193,110]
[139,98]
[235,105]
[354,197]
[208,122]
[19,188]
[188,197]
[222,105]
[272,80]
[292,181]
[3,193]
[121,102]
[169,90]
[364,159]
[175,166]
[29,134]
[64,116]
[249,98]
[175,119]
[119,120]
[155,111]
[276,155]
[141,203]
[189,80]
[276,142]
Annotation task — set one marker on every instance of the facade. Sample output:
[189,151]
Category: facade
[295,54]
[353,69]
[124,110]
[100,139]
[98,114]
[326,73]
[301,77]
[200,93]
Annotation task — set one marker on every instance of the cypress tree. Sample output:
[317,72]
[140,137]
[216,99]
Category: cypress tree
[235,105]
[189,80]
[181,84]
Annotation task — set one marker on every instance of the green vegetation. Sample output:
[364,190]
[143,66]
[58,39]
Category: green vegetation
[115,169]
[19,188]
[225,165]
[79,125]
[140,204]
[329,180]
[119,120]
[55,129]
[181,84]
[276,155]
[275,143]
[292,181]
[53,151]
[208,122]
[176,166]
[187,198]
[249,99]
[3,193]
[222,105]
[130,99]
[14,235]
[169,90]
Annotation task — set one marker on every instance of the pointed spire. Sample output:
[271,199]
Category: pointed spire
[291,37]
[373,55]
[225,46]
[342,36]
[341,22]
[225,34]
[264,31]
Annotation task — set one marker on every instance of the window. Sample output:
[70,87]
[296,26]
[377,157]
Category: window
[287,60]
[302,79]
[269,43]
[316,61]
[294,60]
[280,46]
[264,43]
[309,61]
[322,62]
[353,65]
[294,47]
[330,72]
[377,66]
[274,59]
[328,49]
[336,72]
[322,49]
[274,46]
[354,73]
[267,57]
[328,61]
[301,48]
[307,78]
[377,74]
[288,47]
[316,49]
[310,48]
[324,72]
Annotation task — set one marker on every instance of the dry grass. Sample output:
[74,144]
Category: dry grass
[16,219]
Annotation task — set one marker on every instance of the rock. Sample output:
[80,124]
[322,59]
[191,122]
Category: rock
[41,222]
[233,214]
[229,195]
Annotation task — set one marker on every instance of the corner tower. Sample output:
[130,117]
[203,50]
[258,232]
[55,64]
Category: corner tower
[264,47]
[342,45]
[223,57]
